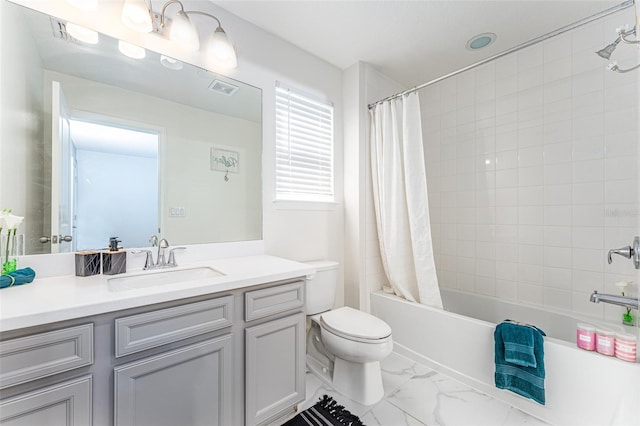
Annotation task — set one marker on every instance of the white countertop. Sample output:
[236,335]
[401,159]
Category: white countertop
[60,298]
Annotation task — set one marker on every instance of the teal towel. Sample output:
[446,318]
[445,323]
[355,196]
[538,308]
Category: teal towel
[518,344]
[17,277]
[527,381]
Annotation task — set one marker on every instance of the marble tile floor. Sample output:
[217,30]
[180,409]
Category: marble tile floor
[416,395]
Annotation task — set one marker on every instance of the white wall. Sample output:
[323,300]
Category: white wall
[364,273]
[354,130]
[262,59]
[532,165]
[21,152]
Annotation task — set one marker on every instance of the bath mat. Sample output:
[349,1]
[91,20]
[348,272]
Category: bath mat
[326,412]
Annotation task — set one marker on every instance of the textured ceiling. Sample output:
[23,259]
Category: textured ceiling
[410,41]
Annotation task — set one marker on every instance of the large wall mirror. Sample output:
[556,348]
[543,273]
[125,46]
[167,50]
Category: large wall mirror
[107,145]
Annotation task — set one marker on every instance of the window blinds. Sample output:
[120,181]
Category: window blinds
[304,147]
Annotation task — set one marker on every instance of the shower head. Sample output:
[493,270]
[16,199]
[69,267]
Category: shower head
[607,51]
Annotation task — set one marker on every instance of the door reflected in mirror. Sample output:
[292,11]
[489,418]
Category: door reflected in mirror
[123,163]
[57,84]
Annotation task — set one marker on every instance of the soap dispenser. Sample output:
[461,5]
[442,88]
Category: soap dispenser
[87,263]
[114,260]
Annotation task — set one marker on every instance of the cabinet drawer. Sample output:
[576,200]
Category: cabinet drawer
[67,403]
[44,354]
[273,300]
[149,330]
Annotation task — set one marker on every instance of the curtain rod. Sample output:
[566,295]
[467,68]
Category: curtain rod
[524,45]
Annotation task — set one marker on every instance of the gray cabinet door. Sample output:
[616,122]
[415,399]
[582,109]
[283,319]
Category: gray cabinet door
[274,370]
[67,403]
[188,386]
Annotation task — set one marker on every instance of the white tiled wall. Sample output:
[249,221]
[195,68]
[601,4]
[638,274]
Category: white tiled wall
[532,165]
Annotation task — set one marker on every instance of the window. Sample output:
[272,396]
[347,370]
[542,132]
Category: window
[304,147]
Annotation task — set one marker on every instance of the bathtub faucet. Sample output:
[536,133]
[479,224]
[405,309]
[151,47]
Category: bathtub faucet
[630,252]
[627,302]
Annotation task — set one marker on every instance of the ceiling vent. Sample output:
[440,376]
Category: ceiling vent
[59,30]
[223,88]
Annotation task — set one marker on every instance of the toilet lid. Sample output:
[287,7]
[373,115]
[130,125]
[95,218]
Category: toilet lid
[347,321]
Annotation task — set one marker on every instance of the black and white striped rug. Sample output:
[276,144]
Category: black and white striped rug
[326,412]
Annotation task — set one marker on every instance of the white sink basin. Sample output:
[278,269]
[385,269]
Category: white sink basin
[161,277]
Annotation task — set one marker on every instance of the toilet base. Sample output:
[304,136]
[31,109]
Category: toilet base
[357,381]
[362,382]
[319,369]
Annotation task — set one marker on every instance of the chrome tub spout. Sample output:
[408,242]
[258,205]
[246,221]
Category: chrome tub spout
[627,302]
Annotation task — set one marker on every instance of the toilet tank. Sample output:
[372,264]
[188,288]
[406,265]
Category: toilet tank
[321,286]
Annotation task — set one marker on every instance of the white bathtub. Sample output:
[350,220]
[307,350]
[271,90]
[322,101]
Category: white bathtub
[582,388]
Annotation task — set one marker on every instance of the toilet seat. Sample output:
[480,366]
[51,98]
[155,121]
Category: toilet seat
[355,325]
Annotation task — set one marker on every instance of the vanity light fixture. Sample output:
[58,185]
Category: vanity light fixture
[81,33]
[138,15]
[182,32]
[88,5]
[131,50]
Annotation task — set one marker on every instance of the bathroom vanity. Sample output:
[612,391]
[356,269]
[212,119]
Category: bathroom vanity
[227,350]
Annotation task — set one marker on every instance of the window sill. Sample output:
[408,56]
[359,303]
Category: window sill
[304,205]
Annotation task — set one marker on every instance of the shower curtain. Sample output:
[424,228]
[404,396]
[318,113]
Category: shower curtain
[400,199]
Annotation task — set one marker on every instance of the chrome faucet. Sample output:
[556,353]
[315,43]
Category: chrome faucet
[172,257]
[160,262]
[627,302]
[148,261]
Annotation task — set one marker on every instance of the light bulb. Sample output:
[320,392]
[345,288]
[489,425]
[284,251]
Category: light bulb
[135,15]
[81,33]
[170,63]
[183,33]
[89,5]
[131,50]
[221,51]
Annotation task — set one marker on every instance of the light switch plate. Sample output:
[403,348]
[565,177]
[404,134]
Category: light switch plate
[177,212]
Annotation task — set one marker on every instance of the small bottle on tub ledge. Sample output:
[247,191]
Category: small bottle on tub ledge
[605,342]
[586,337]
[626,347]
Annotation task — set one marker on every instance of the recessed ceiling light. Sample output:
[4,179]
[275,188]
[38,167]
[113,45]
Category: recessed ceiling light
[170,63]
[131,50]
[480,41]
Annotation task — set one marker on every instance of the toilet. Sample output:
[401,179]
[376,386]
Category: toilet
[344,345]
